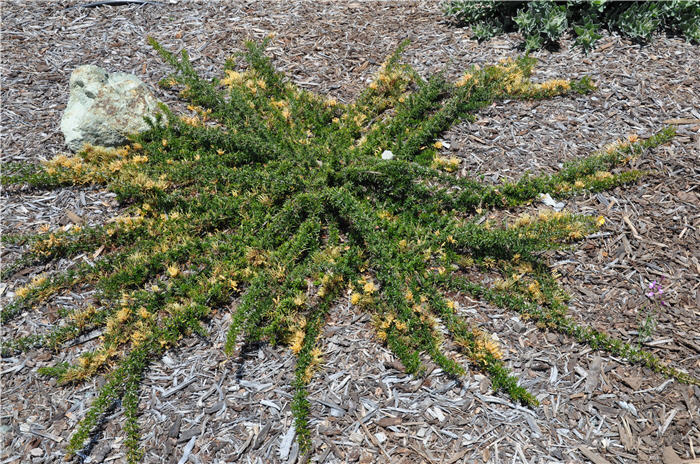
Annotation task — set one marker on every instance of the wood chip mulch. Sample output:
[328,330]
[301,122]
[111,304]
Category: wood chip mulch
[200,406]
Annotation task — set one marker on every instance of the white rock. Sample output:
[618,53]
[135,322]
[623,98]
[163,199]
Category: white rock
[103,108]
[387,155]
[547,199]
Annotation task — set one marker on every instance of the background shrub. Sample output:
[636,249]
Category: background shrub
[543,22]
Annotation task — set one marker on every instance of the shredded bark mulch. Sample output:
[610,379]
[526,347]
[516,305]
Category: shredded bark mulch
[199,405]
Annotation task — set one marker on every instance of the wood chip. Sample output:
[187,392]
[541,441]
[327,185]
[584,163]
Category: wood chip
[592,456]
[682,121]
[286,443]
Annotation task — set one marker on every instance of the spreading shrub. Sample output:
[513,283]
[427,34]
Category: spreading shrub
[275,204]
[543,22]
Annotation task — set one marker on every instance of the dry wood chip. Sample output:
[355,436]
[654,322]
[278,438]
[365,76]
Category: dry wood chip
[286,443]
[174,429]
[593,374]
[186,452]
[626,436]
[670,457]
[179,387]
[262,435]
[74,217]
[632,228]
[682,121]
[592,456]
[388,421]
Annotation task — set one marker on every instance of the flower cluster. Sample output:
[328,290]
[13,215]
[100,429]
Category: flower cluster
[655,291]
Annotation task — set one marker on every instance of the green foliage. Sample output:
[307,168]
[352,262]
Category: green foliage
[542,22]
[281,198]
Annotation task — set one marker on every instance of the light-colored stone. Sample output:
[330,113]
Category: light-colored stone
[104,107]
[387,155]
[547,199]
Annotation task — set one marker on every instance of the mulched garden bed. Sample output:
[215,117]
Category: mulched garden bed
[201,406]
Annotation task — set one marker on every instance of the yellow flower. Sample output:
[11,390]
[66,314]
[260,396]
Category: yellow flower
[579,184]
[22,292]
[316,356]
[355,298]
[232,77]
[300,299]
[173,270]
[600,221]
[555,84]
[39,280]
[563,187]
[123,314]
[138,337]
[386,215]
[492,347]
[525,268]
[534,287]
[297,341]
[308,373]
[165,142]
[438,145]
[369,288]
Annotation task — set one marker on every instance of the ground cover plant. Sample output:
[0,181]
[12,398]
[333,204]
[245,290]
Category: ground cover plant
[542,23]
[275,203]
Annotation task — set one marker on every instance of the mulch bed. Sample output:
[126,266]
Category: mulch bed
[202,406]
